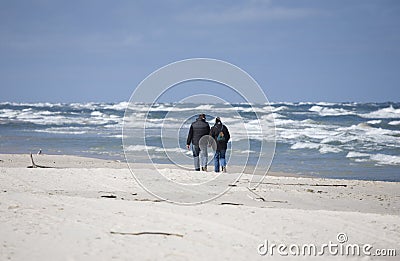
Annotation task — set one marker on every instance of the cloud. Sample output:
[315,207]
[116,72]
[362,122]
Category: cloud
[94,42]
[252,13]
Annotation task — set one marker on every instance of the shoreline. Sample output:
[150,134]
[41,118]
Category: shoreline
[20,160]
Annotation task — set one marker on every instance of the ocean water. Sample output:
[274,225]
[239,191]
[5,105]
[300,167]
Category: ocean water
[332,140]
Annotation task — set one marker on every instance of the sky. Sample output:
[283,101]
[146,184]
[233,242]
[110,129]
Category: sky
[297,50]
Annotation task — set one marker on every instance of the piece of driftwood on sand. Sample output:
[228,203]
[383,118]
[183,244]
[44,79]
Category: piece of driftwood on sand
[146,233]
[34,165]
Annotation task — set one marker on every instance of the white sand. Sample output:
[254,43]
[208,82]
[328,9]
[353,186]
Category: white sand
[60,214]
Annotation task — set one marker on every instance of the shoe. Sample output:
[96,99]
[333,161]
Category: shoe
[223,169]
[204,168]
[197,169]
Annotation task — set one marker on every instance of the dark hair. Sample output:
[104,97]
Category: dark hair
[217,120]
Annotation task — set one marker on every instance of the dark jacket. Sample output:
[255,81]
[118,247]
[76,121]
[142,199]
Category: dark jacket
[215,130]
[198,129]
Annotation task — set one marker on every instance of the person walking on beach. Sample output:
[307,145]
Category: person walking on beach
[221,135]
[197,130]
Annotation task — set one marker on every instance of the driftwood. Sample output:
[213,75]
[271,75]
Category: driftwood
[258,196]
[231,203]
[146,199]
[263,199]
[109,196]
[145,233]
[34,165]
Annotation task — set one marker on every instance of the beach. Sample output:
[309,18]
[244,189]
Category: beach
[93,209]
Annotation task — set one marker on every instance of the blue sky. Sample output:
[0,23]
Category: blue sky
[79,51]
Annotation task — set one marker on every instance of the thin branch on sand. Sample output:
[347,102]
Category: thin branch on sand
[258,196]
[231,203]
[263,199]
[145,233]
[34,165]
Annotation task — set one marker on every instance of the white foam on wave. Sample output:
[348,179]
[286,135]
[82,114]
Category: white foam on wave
[121,106]
[248,151]
[324,111]
[66,130]
[251,109]
[394,123]
[55,118]
[280,108]
[118,136]
[8,113]
[143,148]
[385,113]
[355,154]
[318,133]
[156,124]
[368,137]
[309,121]
[62,132]
[204,107]
[138,148]
[374,122]
[288,130]
[380,159]
[383,159]
[326,104]
[340,138]
[329,149]
[361,160]
[96,113]
[322,148]
[282,103]
[305,145]
[363,130]
[88,105]
[159,108]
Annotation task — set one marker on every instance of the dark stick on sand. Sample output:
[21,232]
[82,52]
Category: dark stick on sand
[258,196]
[34,165]
[146,233]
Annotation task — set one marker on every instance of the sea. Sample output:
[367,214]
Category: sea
[319,139]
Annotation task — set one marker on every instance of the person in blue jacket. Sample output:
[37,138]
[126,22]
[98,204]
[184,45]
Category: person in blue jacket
[221,135]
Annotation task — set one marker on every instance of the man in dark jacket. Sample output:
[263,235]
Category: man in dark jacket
[198,129]
[221,135]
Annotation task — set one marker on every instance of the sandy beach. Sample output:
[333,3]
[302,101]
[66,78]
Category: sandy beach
[92,209]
